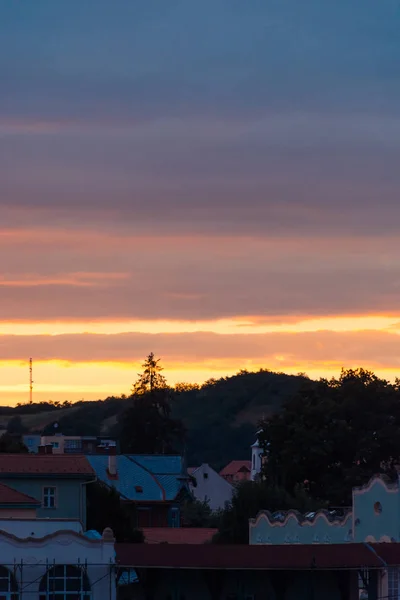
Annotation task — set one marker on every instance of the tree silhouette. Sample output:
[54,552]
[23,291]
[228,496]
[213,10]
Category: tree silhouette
[151,379]
[146,426]
[335,435]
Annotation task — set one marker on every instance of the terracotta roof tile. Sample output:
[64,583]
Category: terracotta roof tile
[286,557]
[178,535]
[10,496]
[235,466]
[47,464]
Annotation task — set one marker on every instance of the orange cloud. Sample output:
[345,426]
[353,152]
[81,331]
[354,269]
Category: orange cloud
[70,279]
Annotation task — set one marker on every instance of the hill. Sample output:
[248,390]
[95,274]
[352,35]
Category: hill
[221,416]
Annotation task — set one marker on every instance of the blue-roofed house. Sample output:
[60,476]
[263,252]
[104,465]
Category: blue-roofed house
[153,486]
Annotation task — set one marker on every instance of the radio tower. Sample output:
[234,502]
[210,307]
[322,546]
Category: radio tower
[30,381]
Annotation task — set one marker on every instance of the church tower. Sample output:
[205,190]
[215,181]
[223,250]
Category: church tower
[256,459]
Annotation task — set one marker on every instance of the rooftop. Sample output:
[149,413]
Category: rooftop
[44,464]
[243,557]
[9,496]
[140,477]
[178,535]
[235,466]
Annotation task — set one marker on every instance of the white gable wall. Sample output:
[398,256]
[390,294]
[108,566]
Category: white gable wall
[211,487]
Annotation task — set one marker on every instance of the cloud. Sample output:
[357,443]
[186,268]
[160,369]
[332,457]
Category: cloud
[97,275]
[273,350]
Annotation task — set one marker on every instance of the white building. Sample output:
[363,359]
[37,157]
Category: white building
[61,565]
[256,459]
[210,487]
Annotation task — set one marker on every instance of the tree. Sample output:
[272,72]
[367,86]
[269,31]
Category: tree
[12,444]
[104,509]
[199,514]
[144,429]
[249,499]
[151,379]
[146,426]
[15,425]
[335,435]
[182,387]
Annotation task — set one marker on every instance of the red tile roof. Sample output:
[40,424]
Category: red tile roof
[11,496]
[235,466]
[178,535]
[47,464]
[285,557]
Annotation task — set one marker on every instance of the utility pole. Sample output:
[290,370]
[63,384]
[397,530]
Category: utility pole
[30,381]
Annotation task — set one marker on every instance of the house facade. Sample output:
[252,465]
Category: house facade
[151,487]
[76,444]
[374,517]
[206,485]
[62,564]
[56,483]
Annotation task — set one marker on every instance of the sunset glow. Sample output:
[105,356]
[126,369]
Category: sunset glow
[225,201]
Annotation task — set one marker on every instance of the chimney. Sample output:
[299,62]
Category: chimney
[41,449]
[112,461]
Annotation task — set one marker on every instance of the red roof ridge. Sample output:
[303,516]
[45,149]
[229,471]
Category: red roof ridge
[56,464]
[178,535]
[234,466]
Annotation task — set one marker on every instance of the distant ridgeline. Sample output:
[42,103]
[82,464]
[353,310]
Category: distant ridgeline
[374,517]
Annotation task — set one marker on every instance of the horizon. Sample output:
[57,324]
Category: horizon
[217,183]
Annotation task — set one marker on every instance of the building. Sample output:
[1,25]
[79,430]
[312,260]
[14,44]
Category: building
[257,460]
[60,565]
[240,572]
[237,471]
[151,487]
[373,517]
[57,484]
[32,441]
[69,444]
[206,485]
[16,505]
[178,535]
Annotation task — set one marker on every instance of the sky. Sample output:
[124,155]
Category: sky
[216,182]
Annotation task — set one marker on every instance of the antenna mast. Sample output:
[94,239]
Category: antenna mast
[30,381]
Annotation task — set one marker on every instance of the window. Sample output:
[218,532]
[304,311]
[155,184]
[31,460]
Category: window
[394,584]
[8,585]
[73,444]
[55,444]
[49,497]
[205,475]
[65,582]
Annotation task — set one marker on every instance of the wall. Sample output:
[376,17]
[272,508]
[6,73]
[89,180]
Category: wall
[256,460]
[211,487]
[29,561]
[70,496]
[370,524]
[375,517]
[150,515]
[241,585]
[32,442]
[293,531]
[24,528]
[17,513]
